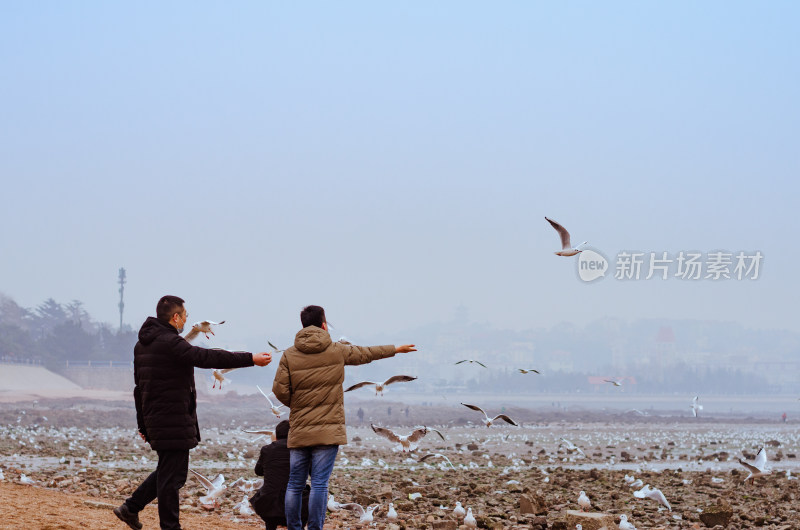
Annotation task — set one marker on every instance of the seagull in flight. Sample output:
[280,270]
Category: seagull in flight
[528,371]
[758,468]
[275,348]
[214,490]
[203,327]
[652,493]
[379,387]
[471,361]
[407,442]
[571,447]
[615,382]
[695,407]
[566,248]
[265,432]
[438,455]
[219,376]
[487,420]
[276,409]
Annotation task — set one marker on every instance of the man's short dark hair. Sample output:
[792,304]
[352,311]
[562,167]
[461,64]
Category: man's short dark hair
[168,306]
[312,315]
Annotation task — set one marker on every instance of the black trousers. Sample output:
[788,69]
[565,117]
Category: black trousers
[164,484]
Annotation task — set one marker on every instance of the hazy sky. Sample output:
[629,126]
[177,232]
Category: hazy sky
[394,160]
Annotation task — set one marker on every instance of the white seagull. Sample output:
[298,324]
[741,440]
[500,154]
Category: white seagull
[487,420]
[392,513]
[438,455]
[583,501]
[275,348]
[471,361]
[528,371]
[571,447]
[615,382]
[652,493]
[758,468]
[244,507]
[214,490]
[379,387]
[566,248]
[407,442]
[276,409]
[219,376]
[469,519]
[265,432]
[695,407]
[624,524]
[203,327]
[459,510]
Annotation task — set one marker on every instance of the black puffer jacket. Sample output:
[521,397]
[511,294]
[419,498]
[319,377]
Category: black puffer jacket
[165,394]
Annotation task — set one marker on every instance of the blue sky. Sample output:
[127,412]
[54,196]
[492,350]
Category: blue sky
[392,161]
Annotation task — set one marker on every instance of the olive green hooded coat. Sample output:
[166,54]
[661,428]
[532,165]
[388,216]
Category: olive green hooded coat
[309,381]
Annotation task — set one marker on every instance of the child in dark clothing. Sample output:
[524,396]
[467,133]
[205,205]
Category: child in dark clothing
[273,465]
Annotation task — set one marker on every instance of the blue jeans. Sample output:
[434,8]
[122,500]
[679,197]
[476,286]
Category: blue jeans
[317,462]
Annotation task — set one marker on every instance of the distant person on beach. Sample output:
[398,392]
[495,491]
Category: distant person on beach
[166,405]
[309,381]
[273,465]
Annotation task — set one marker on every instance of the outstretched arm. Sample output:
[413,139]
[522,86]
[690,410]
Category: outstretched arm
[367,354]
[211,358]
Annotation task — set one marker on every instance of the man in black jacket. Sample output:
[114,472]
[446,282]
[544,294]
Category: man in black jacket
[166,404]
[273,465]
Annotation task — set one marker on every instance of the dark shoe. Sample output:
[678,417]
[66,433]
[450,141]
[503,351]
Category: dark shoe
[125,515]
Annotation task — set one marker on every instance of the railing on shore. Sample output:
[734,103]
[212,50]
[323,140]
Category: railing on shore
[98,364]
[17,360]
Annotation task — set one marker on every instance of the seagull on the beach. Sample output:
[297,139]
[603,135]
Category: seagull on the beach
[471,361]
[487,420]
[379,387]
[364,516]
[407,442]
[24,479]
[695,407]
[624,524]
[652,493]
[276,409]
[271,434]
[571,447]
[758,468]
[566,248]
[637,483]
[392,513]
[583,501]
[469,519]
[528,371]
[219,376]
[615,382]
[244,507]
[332,504]
[246,485]
[437,455]
[459,510]
[203,327]
[214,490]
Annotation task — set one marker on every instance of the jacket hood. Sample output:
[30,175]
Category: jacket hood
[152,328]
[312,340]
